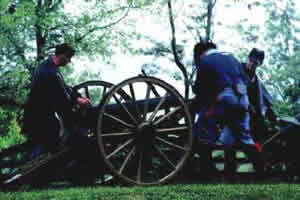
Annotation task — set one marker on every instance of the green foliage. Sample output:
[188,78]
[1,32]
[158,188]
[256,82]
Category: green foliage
[5,118]
[283,41]
[151,69]
[200,22]
[29,31]
[286,109]
[159,49]
[9,129]
[280,41]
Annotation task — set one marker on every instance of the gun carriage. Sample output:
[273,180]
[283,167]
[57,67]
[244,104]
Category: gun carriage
[141,134]
[139,123]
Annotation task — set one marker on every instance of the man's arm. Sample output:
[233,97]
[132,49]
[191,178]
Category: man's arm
[267,101]
[62,100]
[76,97]
[73,93]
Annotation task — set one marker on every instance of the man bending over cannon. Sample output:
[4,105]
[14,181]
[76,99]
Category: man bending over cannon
[221,94]
[48,96]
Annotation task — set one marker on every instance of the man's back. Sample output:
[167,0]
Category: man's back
[39,102]
[48,95]
[217,71]
[40,124]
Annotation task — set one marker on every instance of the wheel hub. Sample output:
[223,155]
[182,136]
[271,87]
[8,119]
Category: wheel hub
[145,134]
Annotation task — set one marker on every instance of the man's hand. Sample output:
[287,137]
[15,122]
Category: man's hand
[83,101]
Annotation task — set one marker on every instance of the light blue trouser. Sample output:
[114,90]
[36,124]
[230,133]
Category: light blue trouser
[232,111]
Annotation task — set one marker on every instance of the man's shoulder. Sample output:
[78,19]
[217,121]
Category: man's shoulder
[220,56]
[221,59]
[47,67]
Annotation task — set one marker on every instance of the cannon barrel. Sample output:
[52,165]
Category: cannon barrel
[116,108]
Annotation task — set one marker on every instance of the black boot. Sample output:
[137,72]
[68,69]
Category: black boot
[230,165]
[208,169]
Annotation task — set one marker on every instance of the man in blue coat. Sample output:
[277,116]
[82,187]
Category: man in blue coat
[221,91]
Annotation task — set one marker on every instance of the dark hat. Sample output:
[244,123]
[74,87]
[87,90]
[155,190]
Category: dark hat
[64,49]
[201,47]
[257,54]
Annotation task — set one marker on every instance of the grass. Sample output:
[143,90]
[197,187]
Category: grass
[215,191]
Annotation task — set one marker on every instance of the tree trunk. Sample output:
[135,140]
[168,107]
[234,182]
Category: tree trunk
[176,57]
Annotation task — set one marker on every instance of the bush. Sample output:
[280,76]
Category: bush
[10,131]
[286,109]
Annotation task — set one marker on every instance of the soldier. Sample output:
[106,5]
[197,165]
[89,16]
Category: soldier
[260,99]
[260,104]
[221,93]
[48,96]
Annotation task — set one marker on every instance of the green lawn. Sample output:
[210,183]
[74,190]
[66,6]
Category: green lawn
[216,191]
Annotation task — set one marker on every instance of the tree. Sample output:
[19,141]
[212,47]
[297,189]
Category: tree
[202,29]
[282,40]
[30,29]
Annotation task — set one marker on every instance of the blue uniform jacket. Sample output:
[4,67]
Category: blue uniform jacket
[216,71]
[48,95]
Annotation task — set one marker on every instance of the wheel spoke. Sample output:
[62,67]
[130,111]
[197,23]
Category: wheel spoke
[167,115]
[117,134]
[119,148]
[165,157]
[167,130]
[104,91]
[118,120]
[162,100]
[146,104]
[170,143]
[126,160]
[125,109]
[134,101]
[87,93]
[153,89]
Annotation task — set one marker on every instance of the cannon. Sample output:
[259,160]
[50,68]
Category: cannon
[141,134]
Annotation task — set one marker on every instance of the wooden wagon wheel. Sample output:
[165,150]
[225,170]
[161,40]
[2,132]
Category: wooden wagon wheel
[144,140]
[96,90]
